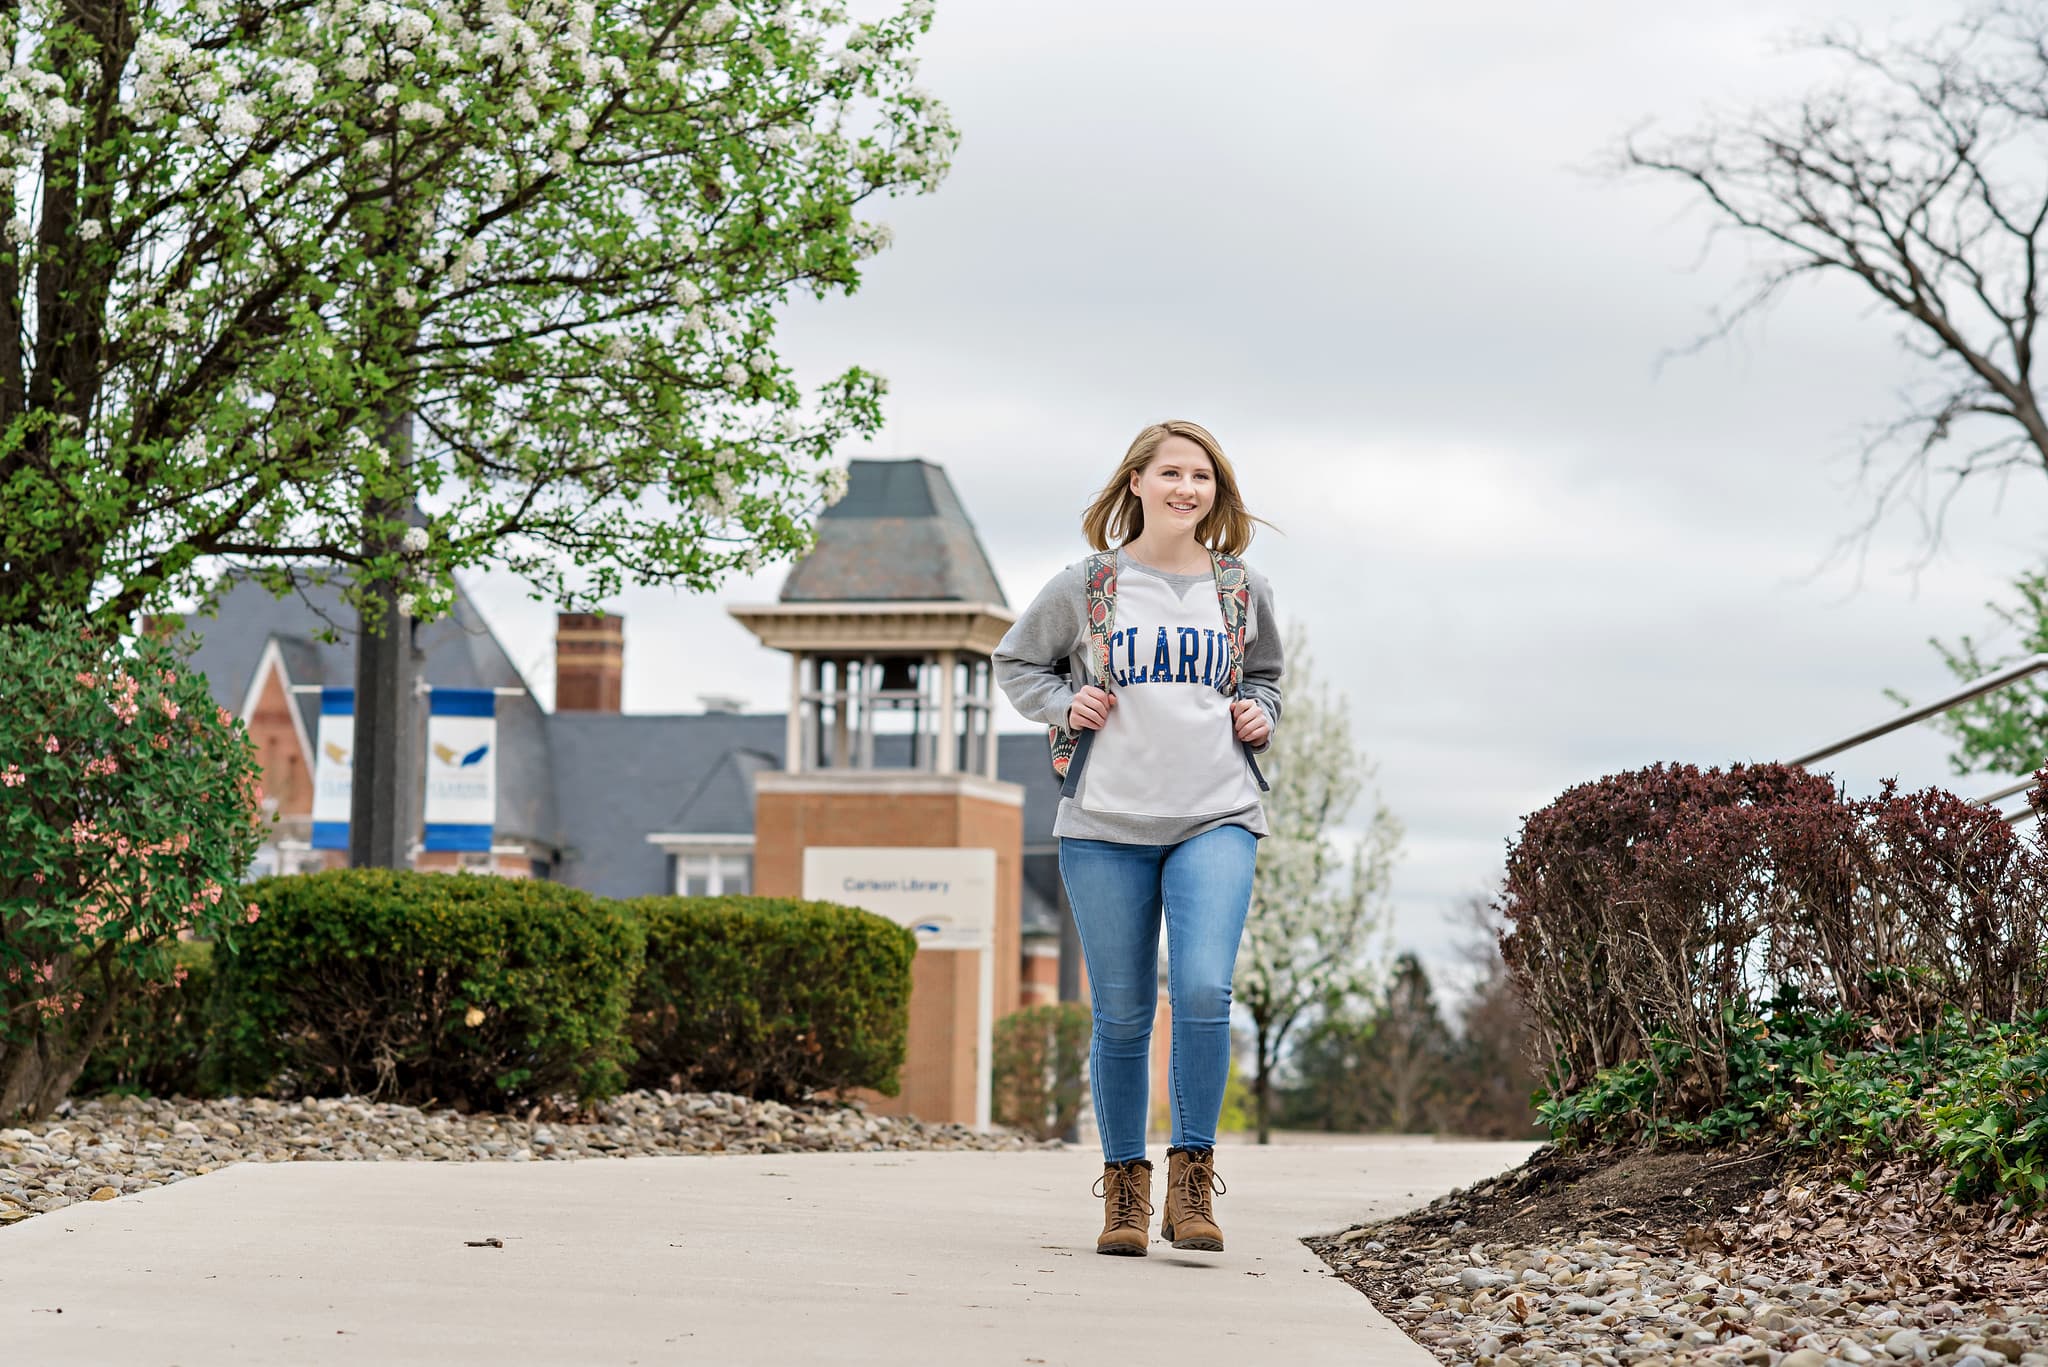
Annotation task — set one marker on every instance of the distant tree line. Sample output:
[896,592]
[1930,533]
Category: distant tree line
[1392,1062]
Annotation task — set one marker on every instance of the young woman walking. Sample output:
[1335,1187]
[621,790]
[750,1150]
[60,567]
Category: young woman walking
[1161,656]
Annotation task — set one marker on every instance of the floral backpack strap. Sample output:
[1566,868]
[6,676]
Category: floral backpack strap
[1234,597]
[1070,748]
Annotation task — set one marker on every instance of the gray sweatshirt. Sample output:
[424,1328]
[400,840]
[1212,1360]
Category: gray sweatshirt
[1167,766]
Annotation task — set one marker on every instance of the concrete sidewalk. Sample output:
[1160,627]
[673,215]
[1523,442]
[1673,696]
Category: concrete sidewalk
[899,1258]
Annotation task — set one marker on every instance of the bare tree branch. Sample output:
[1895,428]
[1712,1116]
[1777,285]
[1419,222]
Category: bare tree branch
[1921,175]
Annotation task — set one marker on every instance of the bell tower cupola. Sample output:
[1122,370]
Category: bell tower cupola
[889,623]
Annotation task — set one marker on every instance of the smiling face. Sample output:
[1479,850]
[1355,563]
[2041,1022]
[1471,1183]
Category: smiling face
[1174,484]
[1177,487]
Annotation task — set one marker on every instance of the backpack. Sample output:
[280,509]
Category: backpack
[1233,596]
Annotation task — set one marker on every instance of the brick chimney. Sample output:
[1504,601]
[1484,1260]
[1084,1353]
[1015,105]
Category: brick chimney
[590,661]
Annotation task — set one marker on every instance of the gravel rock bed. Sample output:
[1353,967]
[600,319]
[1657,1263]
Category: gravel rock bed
[107,1147]
[1608,1302]
[1741,1259]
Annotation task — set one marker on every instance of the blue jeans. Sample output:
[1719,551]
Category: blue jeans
[1204,887]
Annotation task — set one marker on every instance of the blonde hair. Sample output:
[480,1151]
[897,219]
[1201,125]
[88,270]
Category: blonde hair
[1116,516]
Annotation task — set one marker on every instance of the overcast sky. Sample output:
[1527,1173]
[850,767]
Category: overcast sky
[1363,244]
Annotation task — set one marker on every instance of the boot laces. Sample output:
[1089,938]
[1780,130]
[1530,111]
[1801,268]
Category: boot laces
[1126,1206]
[1196,1179]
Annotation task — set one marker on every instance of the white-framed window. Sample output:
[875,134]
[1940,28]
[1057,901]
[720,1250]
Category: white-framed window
[714,874]
[704,865]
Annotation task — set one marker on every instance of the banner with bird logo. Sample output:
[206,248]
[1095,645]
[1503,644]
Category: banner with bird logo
[334,768]
[462,768]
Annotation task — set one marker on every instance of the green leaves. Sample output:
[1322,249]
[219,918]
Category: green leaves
[1040,1068]
[2004,732]
[770,997]
[1971,1098]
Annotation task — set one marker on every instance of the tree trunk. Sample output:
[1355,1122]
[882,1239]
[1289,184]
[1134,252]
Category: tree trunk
[1264,1089]
[43,1068]
[380,828]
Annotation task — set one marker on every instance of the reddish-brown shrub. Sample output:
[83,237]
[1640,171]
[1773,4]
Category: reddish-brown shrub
[1673,901]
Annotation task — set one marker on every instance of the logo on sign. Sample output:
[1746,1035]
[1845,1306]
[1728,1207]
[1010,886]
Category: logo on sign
[449,756]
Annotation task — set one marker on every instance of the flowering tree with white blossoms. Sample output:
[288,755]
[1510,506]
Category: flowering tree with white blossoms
[1316,904]
[279,273]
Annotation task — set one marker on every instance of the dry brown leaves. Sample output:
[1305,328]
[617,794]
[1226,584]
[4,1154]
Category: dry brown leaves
[1901,1236]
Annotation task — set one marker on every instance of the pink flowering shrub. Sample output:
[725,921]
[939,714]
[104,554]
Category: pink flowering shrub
[129,809]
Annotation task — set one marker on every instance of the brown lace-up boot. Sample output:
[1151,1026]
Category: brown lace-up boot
[1126,1192]
[1189,1222]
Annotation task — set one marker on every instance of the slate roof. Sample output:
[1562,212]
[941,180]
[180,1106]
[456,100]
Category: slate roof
[459,650]
[624,776]
[899,535]
[1040,907]
[723,803]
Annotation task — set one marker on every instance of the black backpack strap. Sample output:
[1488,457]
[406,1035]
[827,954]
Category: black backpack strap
[1071,785]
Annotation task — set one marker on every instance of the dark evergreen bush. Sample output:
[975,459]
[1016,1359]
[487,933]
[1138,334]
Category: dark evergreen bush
[157,1036]
[465,990]
[770,997]
[1041,1068]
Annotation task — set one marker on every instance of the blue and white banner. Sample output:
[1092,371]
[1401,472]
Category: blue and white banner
[462,768]
[334,768]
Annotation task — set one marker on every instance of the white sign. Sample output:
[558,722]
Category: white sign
[947,897]
[334,768]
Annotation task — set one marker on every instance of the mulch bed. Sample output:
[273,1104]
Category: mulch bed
[1604,1194]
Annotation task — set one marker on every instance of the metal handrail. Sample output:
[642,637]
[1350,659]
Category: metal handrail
[2003,793]
[1990,683]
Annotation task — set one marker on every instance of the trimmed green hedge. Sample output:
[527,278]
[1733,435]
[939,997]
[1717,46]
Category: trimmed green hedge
[770,997]
[467,990]
[364,982]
